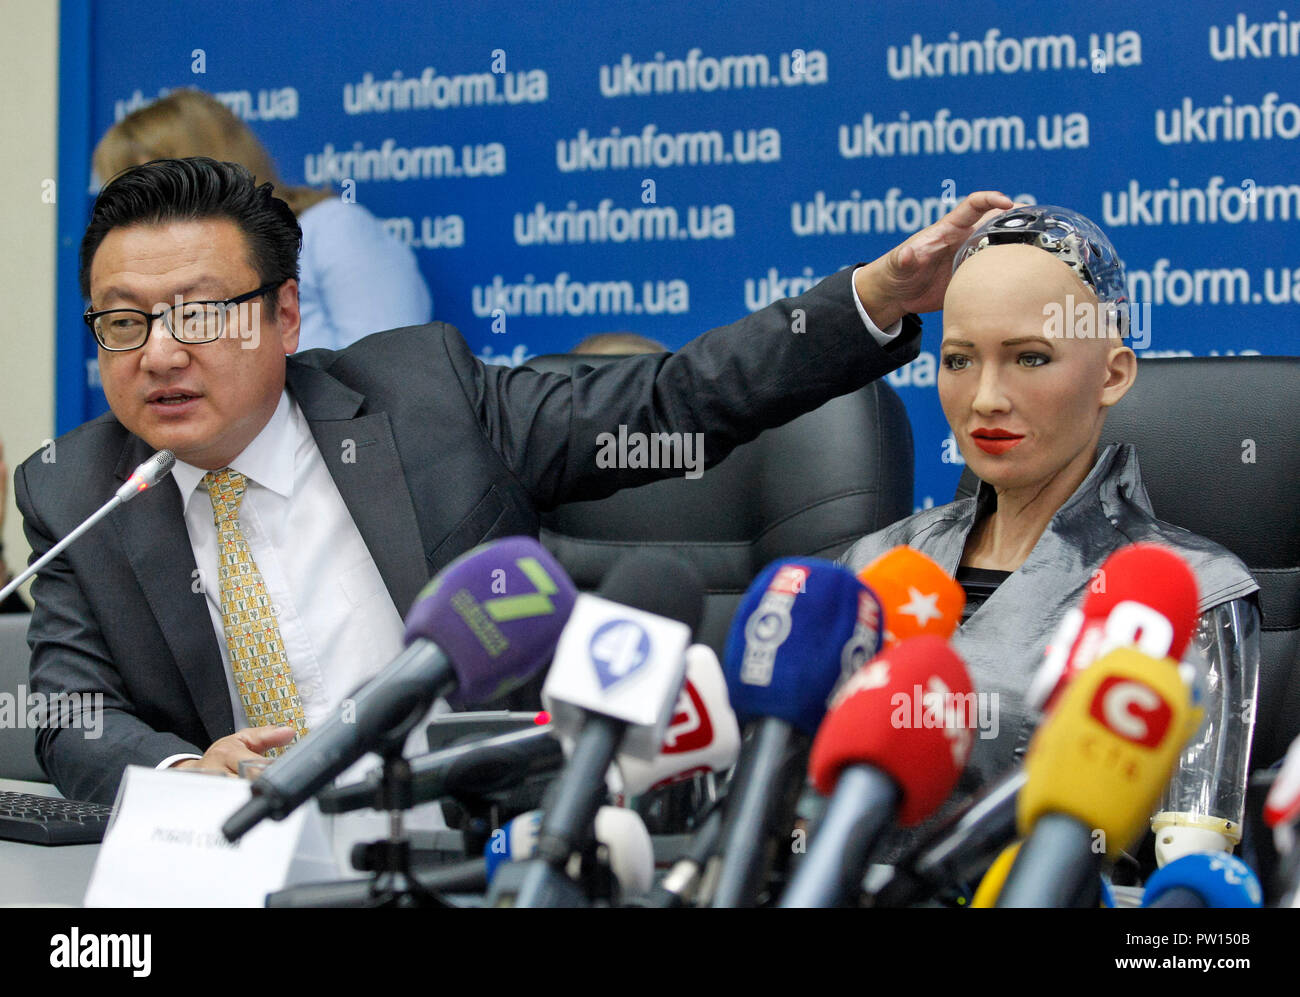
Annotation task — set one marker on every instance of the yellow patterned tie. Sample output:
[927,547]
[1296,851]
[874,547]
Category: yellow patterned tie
[257,659]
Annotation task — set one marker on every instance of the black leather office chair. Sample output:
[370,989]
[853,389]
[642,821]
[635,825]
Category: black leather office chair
[812,487]
[1218,439]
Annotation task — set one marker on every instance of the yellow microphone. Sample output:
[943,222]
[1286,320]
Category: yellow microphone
[990,888]
[1094,772]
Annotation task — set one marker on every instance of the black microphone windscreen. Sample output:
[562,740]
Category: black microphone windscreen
[657,583]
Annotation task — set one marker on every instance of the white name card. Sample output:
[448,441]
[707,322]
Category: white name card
[164,847]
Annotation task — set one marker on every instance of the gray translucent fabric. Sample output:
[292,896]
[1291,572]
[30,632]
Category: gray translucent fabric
[1003,642]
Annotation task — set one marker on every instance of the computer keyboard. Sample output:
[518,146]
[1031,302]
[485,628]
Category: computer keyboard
[46,820]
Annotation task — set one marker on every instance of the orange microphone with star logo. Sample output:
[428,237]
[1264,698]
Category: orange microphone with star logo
[917,595]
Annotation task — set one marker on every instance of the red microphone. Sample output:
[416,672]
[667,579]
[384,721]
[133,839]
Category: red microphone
[1282,806]
[891,749]
[702,736]
[1143,595]
[1282,813]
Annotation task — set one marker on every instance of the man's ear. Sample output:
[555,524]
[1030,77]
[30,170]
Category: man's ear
[288,317]
[1121,372]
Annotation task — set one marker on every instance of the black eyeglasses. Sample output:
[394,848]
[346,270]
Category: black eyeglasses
[122,329]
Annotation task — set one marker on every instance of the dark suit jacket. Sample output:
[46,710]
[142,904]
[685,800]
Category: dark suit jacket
[449,452]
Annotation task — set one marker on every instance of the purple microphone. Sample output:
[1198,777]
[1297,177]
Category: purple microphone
[485,624]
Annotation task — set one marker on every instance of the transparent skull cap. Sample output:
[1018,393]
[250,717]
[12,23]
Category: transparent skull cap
[1068,236]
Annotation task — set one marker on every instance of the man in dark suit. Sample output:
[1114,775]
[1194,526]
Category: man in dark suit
[334,484]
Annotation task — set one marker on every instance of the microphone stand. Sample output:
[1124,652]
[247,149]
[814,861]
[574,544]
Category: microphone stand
[142,479]
[393,883]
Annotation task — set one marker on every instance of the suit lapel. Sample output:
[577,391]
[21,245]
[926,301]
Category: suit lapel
[361,454]
[157,545]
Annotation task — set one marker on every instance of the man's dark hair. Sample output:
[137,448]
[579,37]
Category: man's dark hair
[168,190]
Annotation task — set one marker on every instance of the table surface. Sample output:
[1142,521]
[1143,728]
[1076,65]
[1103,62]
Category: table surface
[42,875]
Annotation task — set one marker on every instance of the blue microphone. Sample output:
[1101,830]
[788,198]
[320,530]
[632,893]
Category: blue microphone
[514,841]
[803,624]
[1215,879]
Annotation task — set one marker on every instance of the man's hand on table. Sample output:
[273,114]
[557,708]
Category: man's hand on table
[249,743]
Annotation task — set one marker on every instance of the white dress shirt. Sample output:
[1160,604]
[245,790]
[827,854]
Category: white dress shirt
[337,621]
[882,336]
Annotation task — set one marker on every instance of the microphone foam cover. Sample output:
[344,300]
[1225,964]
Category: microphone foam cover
[629,850]
[658,583]
[1152,575]
[990,887]
[918,596]
[1220,879]
[1282,806]
[515,842]
[702,735]
[802,624]
[909,713]
[1106,751]
[497,612]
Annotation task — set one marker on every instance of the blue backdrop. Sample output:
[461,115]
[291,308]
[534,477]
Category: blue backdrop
[663,168]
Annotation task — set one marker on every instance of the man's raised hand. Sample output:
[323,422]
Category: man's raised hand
[913,276]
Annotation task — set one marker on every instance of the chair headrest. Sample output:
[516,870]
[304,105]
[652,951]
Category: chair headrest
[1218,440]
